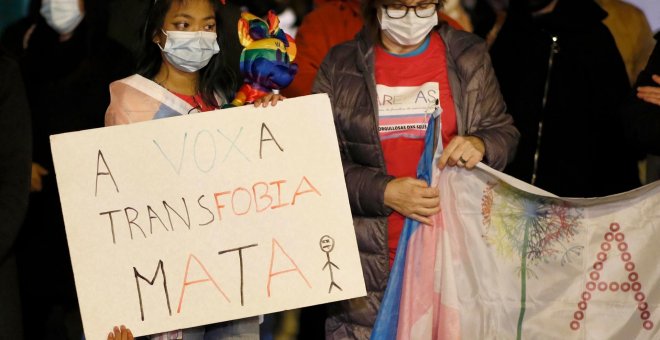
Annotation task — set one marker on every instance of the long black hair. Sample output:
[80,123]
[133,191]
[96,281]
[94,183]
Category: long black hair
[214,78]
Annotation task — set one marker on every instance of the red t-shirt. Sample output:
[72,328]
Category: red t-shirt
[196,102]
[410,87]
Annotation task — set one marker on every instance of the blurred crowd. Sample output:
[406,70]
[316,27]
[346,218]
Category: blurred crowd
[579,78]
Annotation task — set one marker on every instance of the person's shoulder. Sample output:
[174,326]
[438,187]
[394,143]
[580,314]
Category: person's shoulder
[7,64]
[461,44]
[126,81]
[346,46]
[626,9]
[333,7]
[326,18]
[10,72]
[122,89]
[343,51]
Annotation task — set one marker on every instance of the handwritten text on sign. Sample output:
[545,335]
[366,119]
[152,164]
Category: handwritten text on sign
[216,216]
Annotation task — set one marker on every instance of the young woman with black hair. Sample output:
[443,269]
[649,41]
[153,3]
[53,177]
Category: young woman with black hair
[182,70]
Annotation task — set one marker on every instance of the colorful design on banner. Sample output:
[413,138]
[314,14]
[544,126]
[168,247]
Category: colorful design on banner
[533,229]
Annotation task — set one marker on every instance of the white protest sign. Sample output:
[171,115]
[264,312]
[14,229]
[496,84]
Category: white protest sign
[193,220]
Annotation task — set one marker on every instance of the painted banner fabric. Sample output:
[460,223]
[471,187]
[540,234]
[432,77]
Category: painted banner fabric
[506,260]
[202,218]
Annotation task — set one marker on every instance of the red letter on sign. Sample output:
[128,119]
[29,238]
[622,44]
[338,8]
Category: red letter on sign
[298,192]
[217,203]
[596,283]
[186,283]
[262,196]
[284,271]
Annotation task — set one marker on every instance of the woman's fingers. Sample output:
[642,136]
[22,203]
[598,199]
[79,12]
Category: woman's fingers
[462,151]
[656,78]
[117,333]
[413,198]
[428,211]
[473,159]
[449,149]
[421,219]
[120,333]
[271,98]
[276,98]
[460,155]
[650,94]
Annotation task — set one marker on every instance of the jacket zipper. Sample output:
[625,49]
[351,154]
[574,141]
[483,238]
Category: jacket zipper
[554,49]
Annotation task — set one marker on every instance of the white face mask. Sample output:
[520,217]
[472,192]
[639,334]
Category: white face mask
[190,51]
[409,30]
[62,15]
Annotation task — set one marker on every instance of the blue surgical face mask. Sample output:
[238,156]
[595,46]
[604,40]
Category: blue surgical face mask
[62,15]
[190,51]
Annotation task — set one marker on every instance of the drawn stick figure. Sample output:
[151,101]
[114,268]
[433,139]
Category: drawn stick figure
[327,244]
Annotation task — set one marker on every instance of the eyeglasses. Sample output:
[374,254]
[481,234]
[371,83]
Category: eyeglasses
[398,11]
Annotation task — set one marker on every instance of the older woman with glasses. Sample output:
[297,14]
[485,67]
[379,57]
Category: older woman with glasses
[403,72]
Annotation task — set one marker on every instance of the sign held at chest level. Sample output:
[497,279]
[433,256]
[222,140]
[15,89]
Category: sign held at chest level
[198,219]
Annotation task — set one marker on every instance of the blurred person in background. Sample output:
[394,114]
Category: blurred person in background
[642,112]
[290,12]
[481,17]
[634,40]
[632,34]
[15,152]
[563,80]
[455,10]
[67,63]
[330,23]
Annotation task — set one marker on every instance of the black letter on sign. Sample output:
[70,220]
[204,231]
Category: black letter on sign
[131,222]
[112,223]
[186,220]
[151,282]
[100,158]
[240,259]
[261,142]
[199,201]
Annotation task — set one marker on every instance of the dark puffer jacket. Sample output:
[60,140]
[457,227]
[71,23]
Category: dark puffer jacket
[347,75]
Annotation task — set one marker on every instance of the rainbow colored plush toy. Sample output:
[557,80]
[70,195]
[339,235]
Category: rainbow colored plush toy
[267,57]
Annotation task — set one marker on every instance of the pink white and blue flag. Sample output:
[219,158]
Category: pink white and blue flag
[506,260]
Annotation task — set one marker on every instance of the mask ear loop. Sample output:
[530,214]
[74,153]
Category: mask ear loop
[158,43]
